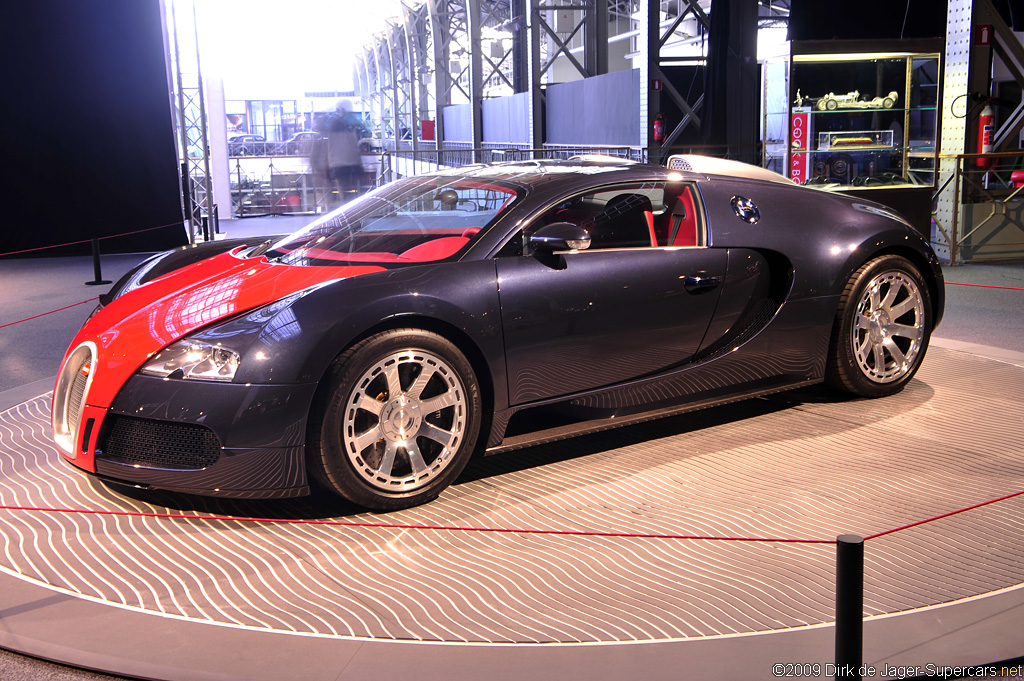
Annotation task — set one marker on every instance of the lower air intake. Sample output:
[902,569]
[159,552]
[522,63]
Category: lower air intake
[158,444]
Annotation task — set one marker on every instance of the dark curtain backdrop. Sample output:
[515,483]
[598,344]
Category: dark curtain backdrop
[867,19]
[732,86]
[88,143]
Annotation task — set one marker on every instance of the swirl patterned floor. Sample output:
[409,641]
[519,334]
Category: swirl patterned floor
[797,465]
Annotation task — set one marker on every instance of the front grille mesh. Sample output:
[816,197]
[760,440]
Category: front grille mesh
[159,444]
[76,394]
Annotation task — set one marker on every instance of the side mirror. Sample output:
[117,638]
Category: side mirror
[559,236]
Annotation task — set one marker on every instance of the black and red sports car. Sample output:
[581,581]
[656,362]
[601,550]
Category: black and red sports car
[486,308]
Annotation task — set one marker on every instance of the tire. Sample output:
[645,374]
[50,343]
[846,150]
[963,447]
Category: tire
[839,167]
[820,105]
[831,104]
[881,329]
[888,103]
[372,440]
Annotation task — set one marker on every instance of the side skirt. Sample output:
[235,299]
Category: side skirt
[584,427]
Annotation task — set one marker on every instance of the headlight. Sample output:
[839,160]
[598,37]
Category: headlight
[193,359]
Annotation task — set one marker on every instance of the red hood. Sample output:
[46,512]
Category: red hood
[134,327]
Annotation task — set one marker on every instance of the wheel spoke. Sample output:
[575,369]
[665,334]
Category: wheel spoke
[415,458]
[387,462]
[367,438]
[439,402]
[873,298]
[904,306]
[416,389]
[367,403]
[914,333]
[862,348]
[432,432]
[894,350]
[394,382]
[879,351]
[890,296]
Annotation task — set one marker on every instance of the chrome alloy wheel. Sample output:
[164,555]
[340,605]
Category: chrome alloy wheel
[405,420]
[889,327]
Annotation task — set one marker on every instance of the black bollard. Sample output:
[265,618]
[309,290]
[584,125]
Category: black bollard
[849,605]
[98,280]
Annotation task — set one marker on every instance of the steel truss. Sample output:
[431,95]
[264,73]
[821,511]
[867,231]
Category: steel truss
[445,52]
[190,104]
[964,196]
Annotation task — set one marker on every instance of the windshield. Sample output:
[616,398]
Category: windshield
[415,220]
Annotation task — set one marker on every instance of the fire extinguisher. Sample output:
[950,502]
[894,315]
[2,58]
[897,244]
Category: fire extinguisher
[985,125]
[659,128]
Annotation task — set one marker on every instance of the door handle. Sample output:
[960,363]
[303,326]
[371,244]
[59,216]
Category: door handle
[697,283]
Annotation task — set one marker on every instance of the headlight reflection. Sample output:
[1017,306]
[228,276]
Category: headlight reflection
[193,359]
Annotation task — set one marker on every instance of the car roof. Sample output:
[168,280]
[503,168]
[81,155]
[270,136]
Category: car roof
[539,173]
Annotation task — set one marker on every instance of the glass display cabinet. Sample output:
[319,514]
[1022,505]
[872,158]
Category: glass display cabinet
[864,119]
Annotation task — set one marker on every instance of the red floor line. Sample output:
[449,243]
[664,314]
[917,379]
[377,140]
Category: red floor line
[43,248]
[944,515]
[391,526]
[1009,288]
[85,241]
[43,314]
[503,530]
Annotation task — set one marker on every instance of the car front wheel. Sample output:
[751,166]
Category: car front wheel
[881,330]
[397,422]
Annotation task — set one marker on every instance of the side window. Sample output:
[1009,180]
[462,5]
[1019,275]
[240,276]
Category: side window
[619,218]
[680,224]
[648,215]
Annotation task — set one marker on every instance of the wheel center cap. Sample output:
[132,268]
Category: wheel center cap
[878,327]
[400,419]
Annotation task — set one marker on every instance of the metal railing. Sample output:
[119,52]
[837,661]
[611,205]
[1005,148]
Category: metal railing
[259,187]
[978,208]
[266,148]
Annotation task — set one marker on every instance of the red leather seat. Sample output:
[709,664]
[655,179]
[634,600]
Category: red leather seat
[683,225]
[436,249]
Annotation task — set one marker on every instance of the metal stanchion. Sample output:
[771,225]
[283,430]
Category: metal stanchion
[849,605]
[186,201]
[98,277]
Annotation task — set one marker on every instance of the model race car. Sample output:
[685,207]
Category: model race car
[852,100]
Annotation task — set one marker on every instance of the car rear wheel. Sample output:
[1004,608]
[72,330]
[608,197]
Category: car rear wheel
[397,422]
[881,330]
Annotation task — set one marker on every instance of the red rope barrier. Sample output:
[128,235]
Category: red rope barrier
[944,515]
[85,241]
[390,526]
[1010,288]
[43,248]
[43,314]
[499,530]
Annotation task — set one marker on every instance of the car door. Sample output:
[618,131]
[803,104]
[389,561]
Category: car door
[625,308]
